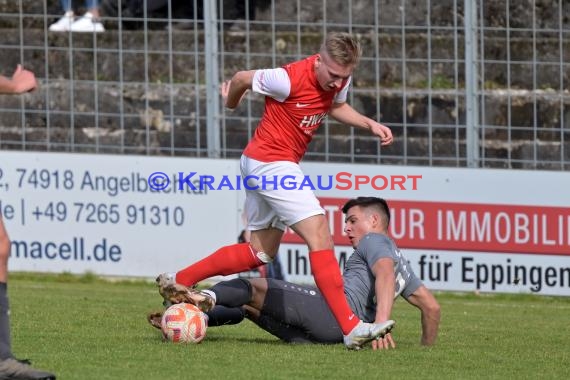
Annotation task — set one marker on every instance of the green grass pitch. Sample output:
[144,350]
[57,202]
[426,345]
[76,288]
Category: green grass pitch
[82,327]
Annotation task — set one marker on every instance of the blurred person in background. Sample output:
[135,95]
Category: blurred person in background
[159,14]
[88,23]
[182,14]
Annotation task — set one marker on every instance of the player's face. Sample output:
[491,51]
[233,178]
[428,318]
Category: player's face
[330,74]
[358,223]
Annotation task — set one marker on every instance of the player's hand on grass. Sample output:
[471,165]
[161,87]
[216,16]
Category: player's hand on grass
[384,343]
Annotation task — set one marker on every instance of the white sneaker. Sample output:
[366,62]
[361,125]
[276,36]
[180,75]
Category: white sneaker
[63,24]
[366,332]
[87,24]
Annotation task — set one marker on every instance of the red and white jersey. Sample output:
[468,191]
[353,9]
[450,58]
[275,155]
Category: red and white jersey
[295,106]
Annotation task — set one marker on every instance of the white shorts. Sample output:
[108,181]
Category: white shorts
[270,205]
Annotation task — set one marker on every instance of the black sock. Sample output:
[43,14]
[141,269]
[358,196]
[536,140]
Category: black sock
[5,344]
[233,293]
[222,315]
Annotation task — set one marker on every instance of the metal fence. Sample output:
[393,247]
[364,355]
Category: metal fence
[480,83]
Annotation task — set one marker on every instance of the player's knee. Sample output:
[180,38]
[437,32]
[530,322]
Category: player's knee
[315,231]
[266,241]
[320,241]
[323,236]
[433,309]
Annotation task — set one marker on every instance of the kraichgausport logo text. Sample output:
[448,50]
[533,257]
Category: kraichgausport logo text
[160,181]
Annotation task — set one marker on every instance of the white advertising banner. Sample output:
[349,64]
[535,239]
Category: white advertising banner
[98,213]
[461,229]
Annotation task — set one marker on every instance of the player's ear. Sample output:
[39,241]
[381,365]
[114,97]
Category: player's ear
[375,219]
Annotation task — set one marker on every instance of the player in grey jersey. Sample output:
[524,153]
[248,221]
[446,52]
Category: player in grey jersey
[375,274]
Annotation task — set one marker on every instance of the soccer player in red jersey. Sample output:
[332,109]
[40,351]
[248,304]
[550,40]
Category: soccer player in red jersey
[298,97]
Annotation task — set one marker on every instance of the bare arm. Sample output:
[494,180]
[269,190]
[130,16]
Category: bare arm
[235,89]
[345,114]
[384,286]
[21,81]
[431,313]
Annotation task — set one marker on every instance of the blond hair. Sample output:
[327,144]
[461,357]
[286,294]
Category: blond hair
[343,48]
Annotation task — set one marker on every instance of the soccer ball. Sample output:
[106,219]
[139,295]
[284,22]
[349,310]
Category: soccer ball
[184,323]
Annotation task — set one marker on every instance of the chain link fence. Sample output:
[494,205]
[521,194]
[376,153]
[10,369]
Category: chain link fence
[461,83]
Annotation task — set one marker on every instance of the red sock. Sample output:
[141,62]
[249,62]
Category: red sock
[226,260]
[329,281]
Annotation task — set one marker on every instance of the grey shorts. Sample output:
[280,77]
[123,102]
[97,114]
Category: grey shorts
[298,314]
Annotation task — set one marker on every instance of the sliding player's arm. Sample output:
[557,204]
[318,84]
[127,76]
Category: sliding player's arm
[385,287]
[424,300]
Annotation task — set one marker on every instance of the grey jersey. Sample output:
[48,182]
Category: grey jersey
[359,279]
